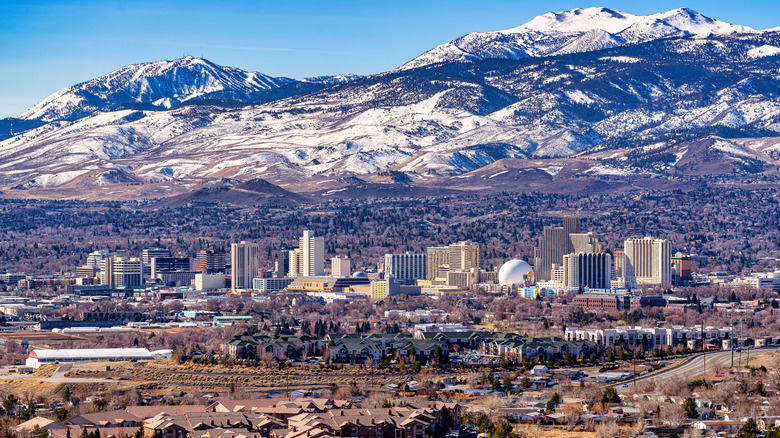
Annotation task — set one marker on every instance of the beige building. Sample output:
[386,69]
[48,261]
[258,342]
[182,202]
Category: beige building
[437,261]
[464,256]
[648,261]
[340,267]
[244,264]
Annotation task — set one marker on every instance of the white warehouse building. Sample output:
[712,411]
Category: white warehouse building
[43,357]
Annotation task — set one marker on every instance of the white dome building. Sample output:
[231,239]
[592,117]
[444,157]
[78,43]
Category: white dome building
[515,272]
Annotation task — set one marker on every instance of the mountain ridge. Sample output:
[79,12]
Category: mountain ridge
[658,114]
[550,33]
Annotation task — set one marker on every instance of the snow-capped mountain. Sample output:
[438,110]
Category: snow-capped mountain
[578,30]
[666,111]
[153,85]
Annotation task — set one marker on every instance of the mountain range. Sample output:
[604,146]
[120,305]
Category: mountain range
[584,101]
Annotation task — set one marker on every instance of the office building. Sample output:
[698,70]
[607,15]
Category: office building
[437,262]
[381,289]
[122,272]
[405,268]
[107,272]
[148,254]
[271,284]
[464,256]
[87,272]
[605,301]
[207,282]
[95,259]
[168,264]
[462,279]
[176,278]
[648,261]
[210,261]
[282,263]
[681,270]
[244,264]
[340,267]
[587,270]
[9,278]
[295,263]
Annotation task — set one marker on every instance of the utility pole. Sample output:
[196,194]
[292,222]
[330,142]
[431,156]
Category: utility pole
[731,341]
[704,349]
[288,381]
[741,337]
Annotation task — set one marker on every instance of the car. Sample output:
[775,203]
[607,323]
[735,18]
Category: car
[625,385]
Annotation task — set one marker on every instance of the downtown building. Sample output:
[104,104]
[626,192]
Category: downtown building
[244,264]
[648,261]
[148,254]
[309,258]
[554,244]
[209,261]
[437,260]
[587,270]
[122,272]
[340,267]
[406,267]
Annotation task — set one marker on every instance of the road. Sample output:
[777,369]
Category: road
[694,366]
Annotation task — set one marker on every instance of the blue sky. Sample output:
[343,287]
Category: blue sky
[49,45]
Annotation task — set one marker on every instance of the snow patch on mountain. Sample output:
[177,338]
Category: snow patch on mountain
[763,51]
[575,31]
[160,83]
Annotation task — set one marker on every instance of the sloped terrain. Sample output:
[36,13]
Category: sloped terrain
[659,115]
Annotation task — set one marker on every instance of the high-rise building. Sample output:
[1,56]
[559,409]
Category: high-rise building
[95,259]
[282,263]
[169,264]
[648,261]
[210,261]
[591,270]
[244,264]
[148,254]
[313,254]
[585,242]
[436,258]
[553,244]
[294,262]
[405,267]
[619,259]
[571,225]
[464,256]
[558,241]
[107,272]
[122,272]
[340,267]
[682,265]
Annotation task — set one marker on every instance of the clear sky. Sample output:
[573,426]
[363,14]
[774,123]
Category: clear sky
[49,45]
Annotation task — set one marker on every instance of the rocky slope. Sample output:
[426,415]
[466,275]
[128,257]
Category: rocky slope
[666,113]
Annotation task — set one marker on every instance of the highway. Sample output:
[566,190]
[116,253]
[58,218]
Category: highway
[694,366]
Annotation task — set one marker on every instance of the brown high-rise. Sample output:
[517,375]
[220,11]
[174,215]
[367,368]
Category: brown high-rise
[209,261]
[553,245]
